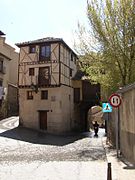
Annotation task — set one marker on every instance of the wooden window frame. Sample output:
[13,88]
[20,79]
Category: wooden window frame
[75,60]
[44,94]
[45,57]
[1,64]
[1,82]
[44,81]
[29,95]
[70,72]
[32,49]
[31,71]
[72,57]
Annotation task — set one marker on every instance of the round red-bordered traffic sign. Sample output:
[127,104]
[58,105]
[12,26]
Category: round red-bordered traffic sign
[115,100]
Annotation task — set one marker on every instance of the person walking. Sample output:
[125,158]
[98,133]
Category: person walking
[96,128]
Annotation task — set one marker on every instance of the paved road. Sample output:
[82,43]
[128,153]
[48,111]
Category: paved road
[28,154]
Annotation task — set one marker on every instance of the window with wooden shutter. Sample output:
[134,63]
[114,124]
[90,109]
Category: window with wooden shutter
[31,72]
[29,95]
[44,94]
[32,49]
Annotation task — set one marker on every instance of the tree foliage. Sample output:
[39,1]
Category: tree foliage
[107,48]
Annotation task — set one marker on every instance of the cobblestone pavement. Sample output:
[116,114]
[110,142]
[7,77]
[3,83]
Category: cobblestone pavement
[28,154]
[21,144]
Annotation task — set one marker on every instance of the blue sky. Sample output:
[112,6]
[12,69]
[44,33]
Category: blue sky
[24,20]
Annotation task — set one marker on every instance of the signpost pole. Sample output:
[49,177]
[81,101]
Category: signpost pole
[115,101]
[108,132]
[116,130]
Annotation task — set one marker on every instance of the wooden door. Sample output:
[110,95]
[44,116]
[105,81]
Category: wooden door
[43,120]
[44,76]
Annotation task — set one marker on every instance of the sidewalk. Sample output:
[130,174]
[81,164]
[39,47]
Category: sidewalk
[120,170]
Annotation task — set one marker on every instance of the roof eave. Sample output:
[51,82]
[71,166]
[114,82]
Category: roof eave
[5,56]
[126,88]
[48,41]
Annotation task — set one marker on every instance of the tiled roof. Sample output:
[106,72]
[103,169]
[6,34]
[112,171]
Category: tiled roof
[47,39]
[44,40]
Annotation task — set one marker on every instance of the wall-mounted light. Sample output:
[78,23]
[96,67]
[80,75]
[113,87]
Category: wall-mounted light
[34,88]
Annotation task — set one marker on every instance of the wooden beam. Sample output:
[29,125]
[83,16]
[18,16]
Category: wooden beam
[59,64]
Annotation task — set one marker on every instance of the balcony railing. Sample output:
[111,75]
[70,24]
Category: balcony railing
[43,80]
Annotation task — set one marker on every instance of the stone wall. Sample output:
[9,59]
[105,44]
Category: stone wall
[111,126]
[127,125]
[60,109]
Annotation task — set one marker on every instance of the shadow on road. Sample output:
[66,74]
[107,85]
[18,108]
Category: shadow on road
[128,165]
[93,154]
[35,137]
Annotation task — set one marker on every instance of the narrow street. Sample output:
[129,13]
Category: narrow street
[27,154]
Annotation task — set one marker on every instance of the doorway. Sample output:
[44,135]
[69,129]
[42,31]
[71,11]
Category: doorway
[43,120]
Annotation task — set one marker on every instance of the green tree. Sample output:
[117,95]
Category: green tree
[107,48]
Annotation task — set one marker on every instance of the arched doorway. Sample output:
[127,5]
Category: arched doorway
[84,109]
[95,114]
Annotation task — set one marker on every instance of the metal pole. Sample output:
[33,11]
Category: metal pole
[108,128]
[109,172]
[119,129]
[117,134]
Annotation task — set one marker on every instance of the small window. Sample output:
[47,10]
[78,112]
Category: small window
[29,95]
[31,71]
[44,94]
[45,52]
[75,60]
[32,49]
[71,72]
[1,82]
[71,57]
[1,65]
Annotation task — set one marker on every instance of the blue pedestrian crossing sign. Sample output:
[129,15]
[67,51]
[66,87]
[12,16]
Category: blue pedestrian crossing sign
[106,107]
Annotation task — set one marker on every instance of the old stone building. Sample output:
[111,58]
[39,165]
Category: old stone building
[50,96]
[8,78]
[121,124]
[127,122]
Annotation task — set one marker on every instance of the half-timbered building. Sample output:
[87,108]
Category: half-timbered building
[51,97]
[46,68]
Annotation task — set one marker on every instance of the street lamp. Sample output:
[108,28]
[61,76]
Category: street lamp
[34,88]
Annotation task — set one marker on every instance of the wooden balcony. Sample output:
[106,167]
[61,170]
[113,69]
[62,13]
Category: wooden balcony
[43,80]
